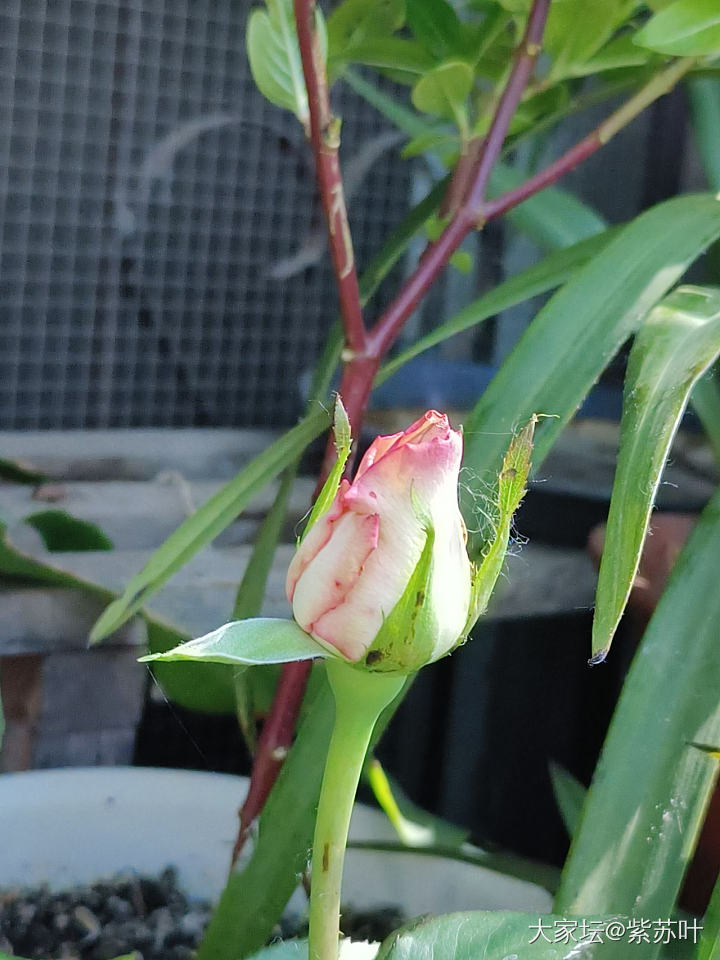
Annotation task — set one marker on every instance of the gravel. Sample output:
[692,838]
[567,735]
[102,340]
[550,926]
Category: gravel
[149,916]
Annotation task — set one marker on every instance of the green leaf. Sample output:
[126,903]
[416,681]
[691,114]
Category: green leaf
[413,826]
[709,947]
[577,30]
[208,521]
[389,53]
[570,795]
[619,53]
[490,935]
[357,21]
[274,56]
[256,895]
[444,90]
[705,108]
[61,531]
[256,641]
[551,272]
[675,345]
[571,340]
[343,443]
[552,218]
[706,403]
[686,28]
[17,472]
[435,24]
[498,514]
[645,808]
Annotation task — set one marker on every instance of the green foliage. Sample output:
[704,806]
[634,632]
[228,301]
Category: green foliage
[644,810]
[274,56]
[492,935]
[709,947]
[577,30]
[256,641]
[685,28]
[675,345]
[257,892]
[436,26]
[563,352]
[443,91]
[62,532]
[494,534]
[570,795]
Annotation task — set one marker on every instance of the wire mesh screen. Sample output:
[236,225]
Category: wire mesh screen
[160,231]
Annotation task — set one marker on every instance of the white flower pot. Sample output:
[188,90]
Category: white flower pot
[77,825]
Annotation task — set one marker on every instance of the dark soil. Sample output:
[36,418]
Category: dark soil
[150,916]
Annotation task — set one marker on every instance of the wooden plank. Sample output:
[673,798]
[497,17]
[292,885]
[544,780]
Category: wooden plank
[142,514]
[135,454]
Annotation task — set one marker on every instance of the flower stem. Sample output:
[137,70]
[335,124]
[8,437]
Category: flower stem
[360,698]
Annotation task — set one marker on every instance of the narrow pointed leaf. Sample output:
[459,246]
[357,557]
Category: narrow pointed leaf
[254,641]
[645,808]
[709,946]
[575,335]
[676,344]
[208,521]
[570,795]
[343,443]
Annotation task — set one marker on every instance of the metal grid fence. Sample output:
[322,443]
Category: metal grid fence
[147,196]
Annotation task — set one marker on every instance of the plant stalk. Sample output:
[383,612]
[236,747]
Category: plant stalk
[324,136]
[360,698]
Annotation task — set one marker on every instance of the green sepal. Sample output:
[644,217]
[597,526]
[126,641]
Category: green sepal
[405,641]
[509,492]
[343,443]
[254,641]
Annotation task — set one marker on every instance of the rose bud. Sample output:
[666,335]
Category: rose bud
[383,575]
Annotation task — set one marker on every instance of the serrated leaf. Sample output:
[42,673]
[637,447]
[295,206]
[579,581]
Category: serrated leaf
[675,345]
[686,28]
[444,90]
[256,641]
[436,25]
[208,521]
[274,55]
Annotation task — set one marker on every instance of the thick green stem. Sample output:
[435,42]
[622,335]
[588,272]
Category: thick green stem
[360,698]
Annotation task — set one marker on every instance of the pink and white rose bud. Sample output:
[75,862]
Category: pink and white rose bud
[357,560]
